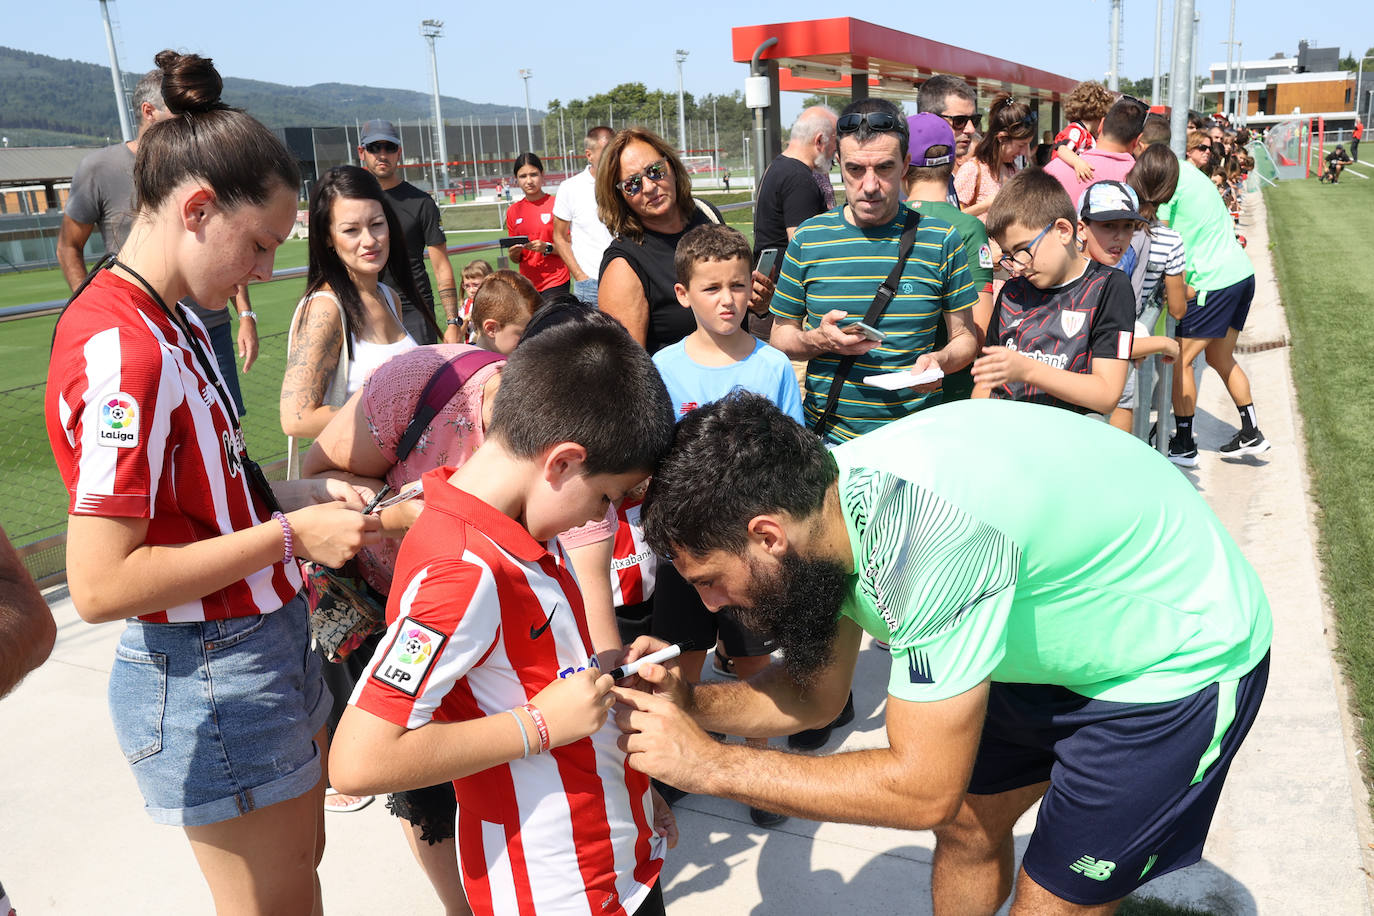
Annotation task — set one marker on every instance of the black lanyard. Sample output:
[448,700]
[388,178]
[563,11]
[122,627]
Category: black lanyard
[257,480]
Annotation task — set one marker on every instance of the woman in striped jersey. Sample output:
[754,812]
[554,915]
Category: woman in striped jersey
[217,700]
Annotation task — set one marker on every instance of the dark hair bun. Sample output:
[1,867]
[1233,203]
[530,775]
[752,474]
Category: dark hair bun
[190,83]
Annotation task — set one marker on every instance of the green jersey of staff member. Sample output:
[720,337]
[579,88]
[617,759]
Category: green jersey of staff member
[1109,664]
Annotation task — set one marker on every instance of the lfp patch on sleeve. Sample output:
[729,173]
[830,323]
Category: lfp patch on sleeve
[985,256]
[118,423]
[409,657]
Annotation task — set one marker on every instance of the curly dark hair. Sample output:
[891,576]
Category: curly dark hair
[732,460]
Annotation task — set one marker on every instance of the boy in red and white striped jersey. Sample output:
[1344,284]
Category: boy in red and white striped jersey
[486,675]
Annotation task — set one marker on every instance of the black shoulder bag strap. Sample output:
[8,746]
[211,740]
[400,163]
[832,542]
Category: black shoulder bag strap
[440,389]
[886,290]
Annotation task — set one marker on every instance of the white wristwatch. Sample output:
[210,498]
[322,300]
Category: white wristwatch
[249,314]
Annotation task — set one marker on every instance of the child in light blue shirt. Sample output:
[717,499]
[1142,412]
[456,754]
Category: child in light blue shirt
[714,281]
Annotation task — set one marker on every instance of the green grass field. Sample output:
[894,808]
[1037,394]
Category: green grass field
[1317,233]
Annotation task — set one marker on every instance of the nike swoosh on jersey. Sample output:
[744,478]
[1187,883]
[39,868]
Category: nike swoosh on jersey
[536,632]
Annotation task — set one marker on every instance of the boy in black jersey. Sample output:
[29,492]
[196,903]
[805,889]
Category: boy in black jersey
[1061,330]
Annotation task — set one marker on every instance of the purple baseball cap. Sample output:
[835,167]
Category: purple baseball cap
[929,130]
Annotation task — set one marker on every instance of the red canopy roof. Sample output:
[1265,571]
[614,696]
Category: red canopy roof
[821,55]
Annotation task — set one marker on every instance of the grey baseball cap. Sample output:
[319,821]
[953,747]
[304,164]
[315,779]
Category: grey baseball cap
[379,130]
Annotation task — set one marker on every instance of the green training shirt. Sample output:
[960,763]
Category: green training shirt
[1199,215]
[1031,545]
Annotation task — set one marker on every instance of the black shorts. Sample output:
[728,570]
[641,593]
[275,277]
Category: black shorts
[1215,312]
[679,616]
[433,809]
[1133,786]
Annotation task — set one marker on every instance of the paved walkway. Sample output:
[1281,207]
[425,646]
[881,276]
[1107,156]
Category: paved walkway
[1290,835]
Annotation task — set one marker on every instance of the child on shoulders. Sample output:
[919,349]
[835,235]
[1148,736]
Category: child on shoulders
[1085,107]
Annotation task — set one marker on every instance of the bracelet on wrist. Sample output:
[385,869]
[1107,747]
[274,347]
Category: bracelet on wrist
[540,725]
[248,314]
[524,736]
[288,540]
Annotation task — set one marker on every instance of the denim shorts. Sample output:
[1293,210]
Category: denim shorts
[217,719]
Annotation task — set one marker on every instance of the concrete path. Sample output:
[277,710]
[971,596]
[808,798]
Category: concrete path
[1291,834]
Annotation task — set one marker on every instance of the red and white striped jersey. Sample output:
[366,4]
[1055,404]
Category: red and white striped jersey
[481,618]
[633,564]
[138,431]
[1076,137]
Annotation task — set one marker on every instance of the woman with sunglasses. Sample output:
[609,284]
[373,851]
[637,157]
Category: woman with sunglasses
[1199,151]
[1011,128]
[644,197]
[533,217]
[175,531]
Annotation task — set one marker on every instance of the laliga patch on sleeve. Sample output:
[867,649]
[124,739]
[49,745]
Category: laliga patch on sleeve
[118,422]
[985,256]
[409,657]
[1123,344]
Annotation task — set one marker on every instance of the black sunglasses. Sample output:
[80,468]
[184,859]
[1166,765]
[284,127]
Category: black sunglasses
[655,171]
[878,121]
[959,122]
[381,146]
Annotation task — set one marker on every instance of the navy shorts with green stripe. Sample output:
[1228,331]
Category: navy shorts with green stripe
[1133,786]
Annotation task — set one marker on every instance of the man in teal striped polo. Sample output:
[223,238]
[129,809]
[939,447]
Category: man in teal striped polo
[834,265]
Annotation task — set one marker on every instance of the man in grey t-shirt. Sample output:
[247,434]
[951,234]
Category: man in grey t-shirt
[102,195]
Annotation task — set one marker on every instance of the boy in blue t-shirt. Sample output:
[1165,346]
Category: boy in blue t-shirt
[714,280]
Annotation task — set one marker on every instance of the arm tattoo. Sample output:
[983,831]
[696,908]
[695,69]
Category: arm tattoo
[313,358]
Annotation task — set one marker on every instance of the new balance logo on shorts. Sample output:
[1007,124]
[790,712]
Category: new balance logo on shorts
[1097,869]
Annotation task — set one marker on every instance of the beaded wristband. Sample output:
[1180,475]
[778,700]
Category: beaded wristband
[524,737]
[288,542]
[540,724]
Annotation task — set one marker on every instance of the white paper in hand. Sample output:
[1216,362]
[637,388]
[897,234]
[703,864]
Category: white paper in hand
[905,379]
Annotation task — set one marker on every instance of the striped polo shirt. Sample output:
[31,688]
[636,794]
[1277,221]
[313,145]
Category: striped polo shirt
[481,618]
[832,264]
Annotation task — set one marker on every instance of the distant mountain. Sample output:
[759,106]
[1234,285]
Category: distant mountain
[45,101]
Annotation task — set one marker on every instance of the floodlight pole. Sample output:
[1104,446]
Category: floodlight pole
[529,131]
[432,29]
[1114,67]
[1192,62]
[1159,38]
[680,56]
[1181,79]
[126,127]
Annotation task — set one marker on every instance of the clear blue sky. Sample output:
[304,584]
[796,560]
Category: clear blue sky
[575,52]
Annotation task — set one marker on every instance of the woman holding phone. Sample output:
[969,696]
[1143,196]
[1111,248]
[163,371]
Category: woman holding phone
[532,217]
[175,531]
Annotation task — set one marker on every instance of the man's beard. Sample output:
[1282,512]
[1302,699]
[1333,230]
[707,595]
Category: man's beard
[797,604]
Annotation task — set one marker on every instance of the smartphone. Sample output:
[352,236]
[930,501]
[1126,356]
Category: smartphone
[866,330]
[769,263]
[514,240]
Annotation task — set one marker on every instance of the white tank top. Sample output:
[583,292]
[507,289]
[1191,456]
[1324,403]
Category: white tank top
[368,356]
